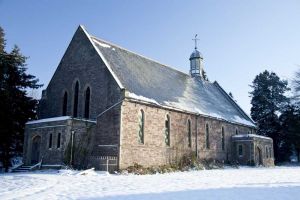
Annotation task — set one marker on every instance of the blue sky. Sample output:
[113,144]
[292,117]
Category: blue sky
[238,39]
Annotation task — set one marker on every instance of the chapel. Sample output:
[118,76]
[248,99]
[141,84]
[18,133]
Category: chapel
[110,108]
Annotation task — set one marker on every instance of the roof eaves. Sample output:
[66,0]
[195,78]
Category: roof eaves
[103,58]
[185,111]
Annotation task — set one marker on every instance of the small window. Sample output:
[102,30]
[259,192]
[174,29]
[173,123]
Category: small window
[270,152]
[236,132]
[207,137]
[267,152]
[87,103]
[50,141]
[189,134]
[240,150]
[58,140]
[141,126]
[223,139]
[167,130]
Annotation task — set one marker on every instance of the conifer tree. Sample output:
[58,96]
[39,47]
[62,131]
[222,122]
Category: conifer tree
[204,75]
[268,101]
[16,107]
[290,132]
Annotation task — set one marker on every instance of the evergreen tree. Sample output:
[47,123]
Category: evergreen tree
[268,101]
[290,132]
[296,84]
[16,107]
[204,75]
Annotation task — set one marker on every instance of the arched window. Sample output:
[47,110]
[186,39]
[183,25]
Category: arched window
[50,141]
[240,150]
[167,130]
[236,132]
[189,134]
[141,126]
[87,103]
[65,104]
[207,136]
[75,107]
[223,139]
[58,140]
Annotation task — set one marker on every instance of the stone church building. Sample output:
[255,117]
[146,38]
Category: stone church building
[107,107]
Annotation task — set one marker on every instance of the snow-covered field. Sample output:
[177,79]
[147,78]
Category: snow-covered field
[244,183]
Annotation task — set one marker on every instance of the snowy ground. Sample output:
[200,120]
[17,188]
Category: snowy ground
[245,183]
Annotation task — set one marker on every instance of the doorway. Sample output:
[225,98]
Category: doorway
[35,149]
[258,156]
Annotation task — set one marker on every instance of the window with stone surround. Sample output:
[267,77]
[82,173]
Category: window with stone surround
[236,131]
[65,104]
[167,130]
[87,103]
[75,106]
[189,133]
[50,141]
[240,150]
[207,145]
[223,138]
[141,126]
[58,140]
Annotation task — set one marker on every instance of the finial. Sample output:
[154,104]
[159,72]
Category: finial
[195,40]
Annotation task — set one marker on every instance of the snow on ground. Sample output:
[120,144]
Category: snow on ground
[228,184]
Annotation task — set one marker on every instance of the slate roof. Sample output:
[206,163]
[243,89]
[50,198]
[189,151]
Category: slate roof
[153,82]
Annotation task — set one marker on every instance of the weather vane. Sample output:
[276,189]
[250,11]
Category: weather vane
[195,40]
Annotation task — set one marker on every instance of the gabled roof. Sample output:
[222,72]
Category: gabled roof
[150,81]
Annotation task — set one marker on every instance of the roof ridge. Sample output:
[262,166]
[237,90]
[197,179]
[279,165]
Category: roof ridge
[145,57]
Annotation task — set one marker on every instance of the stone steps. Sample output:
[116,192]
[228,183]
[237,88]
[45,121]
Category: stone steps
[22,168]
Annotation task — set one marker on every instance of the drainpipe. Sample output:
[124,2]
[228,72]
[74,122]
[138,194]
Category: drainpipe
[72,144]
[196,144]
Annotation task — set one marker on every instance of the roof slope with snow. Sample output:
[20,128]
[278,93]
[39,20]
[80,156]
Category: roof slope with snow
[151,81]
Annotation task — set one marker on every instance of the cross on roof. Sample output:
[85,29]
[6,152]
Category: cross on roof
[195,40]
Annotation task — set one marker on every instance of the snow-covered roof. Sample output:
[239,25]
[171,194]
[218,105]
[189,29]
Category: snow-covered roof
[250,136]
[53,119]
[196,54]
[154,82]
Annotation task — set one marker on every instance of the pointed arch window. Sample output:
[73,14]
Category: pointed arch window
[167,130]
[189,134]
[207,145]
[223,139]
[87,103]
[65,104]
[75,106]
[58,140]
[50,141]
[236,132]
[141,126]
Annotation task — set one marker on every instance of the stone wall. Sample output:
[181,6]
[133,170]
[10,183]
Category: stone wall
[154,151]
[251,148]
[107,139]
[80,63]
[83,133]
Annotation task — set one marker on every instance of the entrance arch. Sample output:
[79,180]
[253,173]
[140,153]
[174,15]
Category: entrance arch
[35,149]
[258,156]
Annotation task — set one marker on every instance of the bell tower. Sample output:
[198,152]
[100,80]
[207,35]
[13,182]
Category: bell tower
[196,61]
